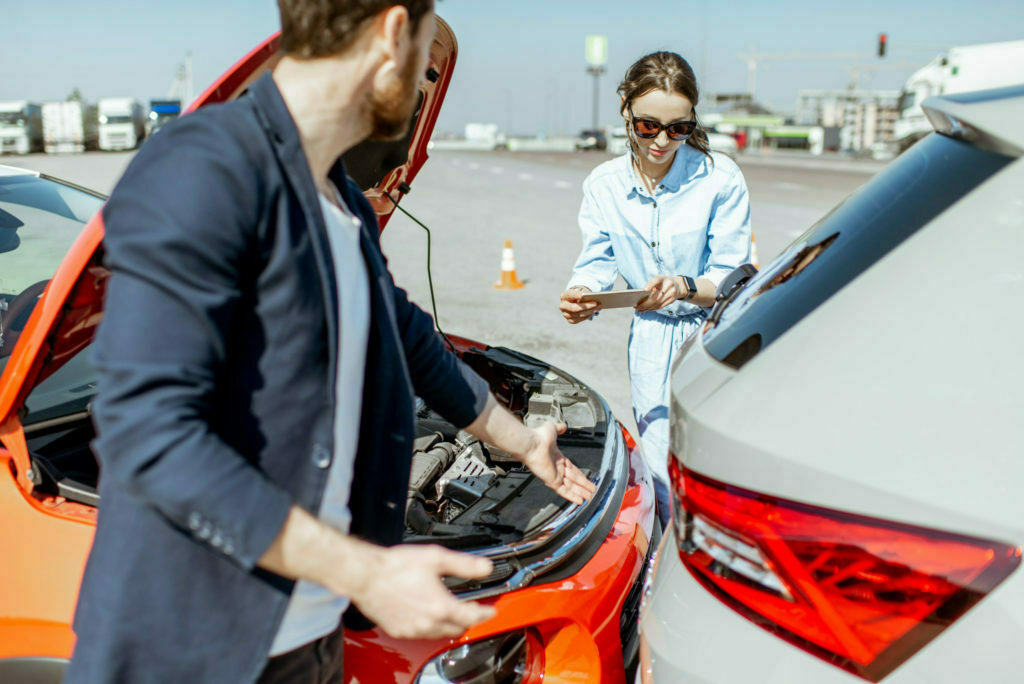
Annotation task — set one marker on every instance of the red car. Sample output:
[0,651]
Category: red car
[566,578]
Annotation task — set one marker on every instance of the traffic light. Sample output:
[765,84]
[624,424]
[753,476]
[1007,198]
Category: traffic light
[882,38]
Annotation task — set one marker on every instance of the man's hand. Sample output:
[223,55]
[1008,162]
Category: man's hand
[544,460]
[399,588]
[536,448]
[664,291]
[573,309]
[405,596]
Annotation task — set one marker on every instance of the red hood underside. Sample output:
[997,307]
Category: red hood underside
[64,321]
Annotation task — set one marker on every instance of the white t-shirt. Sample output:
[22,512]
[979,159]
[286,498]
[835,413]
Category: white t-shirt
[313,611]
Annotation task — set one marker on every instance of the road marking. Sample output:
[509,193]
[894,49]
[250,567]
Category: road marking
[473,166]
[497,170]
[789,186]
[561,184]
[525,177]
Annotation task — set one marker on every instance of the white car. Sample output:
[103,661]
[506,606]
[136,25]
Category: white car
[721,142]
[848,437]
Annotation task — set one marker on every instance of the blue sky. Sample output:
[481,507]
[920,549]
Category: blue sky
[521,62]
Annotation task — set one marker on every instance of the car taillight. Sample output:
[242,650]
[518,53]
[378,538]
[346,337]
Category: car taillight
[862,593]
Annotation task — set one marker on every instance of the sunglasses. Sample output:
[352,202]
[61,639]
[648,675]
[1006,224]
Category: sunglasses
[649,128]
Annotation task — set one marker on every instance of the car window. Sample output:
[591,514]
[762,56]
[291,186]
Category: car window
[871,222]
[39,221]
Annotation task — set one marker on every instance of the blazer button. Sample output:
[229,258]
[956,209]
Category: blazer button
[321,456]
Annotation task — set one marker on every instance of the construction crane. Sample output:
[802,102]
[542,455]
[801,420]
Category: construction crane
[856,71]
[753,59]
[181,86]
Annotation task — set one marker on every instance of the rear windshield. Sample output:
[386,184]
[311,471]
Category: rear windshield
[892,206]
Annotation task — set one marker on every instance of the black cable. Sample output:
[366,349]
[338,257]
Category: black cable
[430,279]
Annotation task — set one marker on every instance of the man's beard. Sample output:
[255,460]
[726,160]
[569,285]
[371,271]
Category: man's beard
[392,109]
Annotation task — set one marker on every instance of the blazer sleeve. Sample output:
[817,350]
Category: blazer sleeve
[177,241]
[438,376]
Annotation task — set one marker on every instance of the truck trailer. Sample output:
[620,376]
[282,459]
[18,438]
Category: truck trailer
[962,69]
[122,123]
[69,127]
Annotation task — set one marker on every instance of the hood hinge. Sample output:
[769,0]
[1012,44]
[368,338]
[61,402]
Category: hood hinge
[12,436]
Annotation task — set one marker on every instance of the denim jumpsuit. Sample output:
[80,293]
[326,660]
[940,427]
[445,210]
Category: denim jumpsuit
[697,223]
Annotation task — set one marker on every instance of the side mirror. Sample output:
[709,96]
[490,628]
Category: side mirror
[729,287]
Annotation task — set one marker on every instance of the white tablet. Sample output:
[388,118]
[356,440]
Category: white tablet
[617,299]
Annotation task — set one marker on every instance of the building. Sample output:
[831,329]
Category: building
[862,117]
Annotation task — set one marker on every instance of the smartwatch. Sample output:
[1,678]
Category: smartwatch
[691,288]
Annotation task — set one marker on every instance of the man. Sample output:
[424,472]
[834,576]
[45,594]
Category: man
[254,475]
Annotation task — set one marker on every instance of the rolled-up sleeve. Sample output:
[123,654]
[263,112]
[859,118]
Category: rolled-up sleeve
[728,230]
[595,268]
[175,244]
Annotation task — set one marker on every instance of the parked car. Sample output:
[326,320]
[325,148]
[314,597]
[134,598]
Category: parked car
[847,434]
[566,577]
[591,139]
[722,142]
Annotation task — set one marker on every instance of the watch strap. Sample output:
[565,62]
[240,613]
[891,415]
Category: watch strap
[691,288]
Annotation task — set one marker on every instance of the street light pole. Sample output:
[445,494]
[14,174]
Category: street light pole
[597,55]
[596,72]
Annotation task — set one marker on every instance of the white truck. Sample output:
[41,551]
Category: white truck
[122,123]
[21,127]
[68,127]
[962,69]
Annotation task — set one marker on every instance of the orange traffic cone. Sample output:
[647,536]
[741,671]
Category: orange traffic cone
[754,258]
[508,281]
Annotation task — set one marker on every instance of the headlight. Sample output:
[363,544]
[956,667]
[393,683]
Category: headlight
[512,658]
[103,119]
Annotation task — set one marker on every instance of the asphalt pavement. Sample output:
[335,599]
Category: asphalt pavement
[474,201]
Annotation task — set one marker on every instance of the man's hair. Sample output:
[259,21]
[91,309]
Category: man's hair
[319,28]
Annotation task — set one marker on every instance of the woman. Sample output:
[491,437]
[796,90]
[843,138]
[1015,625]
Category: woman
[670,217]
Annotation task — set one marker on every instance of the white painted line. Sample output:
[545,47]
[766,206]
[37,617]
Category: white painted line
[561,184]
[473,166]
[497,170]
[789,186]
[525,177]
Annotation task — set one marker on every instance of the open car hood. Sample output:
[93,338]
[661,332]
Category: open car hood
[64,321]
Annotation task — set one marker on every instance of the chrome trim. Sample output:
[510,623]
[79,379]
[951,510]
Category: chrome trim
[613,472]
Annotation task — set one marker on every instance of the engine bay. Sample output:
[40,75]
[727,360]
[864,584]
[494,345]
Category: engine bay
[464,493]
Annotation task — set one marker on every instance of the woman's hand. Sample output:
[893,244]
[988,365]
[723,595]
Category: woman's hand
[573,309]
[664,291]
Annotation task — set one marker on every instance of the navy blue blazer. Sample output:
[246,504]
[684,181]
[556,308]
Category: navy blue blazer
[214,412]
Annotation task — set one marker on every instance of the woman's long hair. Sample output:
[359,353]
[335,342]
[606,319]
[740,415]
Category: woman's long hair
[665,71]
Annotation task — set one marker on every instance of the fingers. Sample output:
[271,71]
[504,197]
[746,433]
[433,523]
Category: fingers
[572,295]
[465,614]
[462,564]
[575,312]
[576,484]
